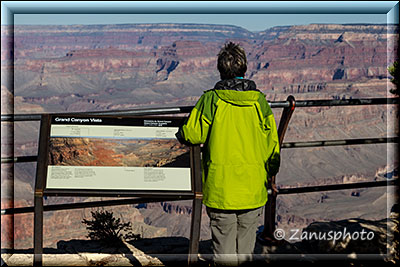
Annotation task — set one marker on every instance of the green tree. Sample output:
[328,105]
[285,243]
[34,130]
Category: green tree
[394,71]
[105,227]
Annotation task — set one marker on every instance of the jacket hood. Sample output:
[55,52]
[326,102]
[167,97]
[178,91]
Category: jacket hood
[241,92]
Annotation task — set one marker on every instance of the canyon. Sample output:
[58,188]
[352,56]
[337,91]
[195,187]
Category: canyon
[118,152]
[80,68]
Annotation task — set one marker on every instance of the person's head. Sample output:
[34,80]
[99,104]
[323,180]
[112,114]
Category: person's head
[232,61]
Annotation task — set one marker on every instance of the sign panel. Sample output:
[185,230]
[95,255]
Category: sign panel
[117,153]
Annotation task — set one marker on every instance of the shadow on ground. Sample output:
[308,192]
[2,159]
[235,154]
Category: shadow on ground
[380,247]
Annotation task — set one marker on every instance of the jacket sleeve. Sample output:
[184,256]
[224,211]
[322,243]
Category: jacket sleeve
[195,129]
[273,162]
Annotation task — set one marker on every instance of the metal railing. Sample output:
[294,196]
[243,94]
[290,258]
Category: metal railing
[187,109]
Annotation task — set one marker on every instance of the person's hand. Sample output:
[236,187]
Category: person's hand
[274,188]
[273,185]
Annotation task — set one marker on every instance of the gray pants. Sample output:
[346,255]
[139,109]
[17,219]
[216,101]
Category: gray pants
[233,235]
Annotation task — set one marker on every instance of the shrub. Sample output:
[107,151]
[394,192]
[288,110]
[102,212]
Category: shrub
[105,227]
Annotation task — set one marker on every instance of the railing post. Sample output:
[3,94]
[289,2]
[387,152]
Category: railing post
[38,230]
[270,208]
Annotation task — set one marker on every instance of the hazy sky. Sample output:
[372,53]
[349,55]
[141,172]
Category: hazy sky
[252,22]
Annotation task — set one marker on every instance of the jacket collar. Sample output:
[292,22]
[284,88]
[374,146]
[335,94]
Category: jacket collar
[236,85]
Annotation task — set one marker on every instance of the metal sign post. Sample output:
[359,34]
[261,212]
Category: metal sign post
[38,194]
[197,208]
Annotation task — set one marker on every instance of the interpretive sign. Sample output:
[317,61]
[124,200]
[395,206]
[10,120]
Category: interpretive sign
[82,155]
[124,154]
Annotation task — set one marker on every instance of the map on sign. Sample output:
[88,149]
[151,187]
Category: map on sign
[112,153]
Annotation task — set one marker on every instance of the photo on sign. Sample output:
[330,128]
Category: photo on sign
[126,152]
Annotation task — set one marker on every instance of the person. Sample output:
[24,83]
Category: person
[241,150]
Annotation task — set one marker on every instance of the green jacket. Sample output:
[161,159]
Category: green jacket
[241,145]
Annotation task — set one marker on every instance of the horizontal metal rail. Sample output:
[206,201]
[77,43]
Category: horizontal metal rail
[133,112]
[91,204]
[281,191]
[346,142]
[284,145]
[187,109]
[321,188]
[347,102]
[19,159]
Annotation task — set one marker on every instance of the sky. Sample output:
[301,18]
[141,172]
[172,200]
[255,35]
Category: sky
[251,22]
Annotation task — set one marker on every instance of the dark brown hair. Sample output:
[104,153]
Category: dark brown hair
[232,61]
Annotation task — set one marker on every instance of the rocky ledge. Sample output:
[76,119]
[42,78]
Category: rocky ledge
[353,241]
[361,242]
